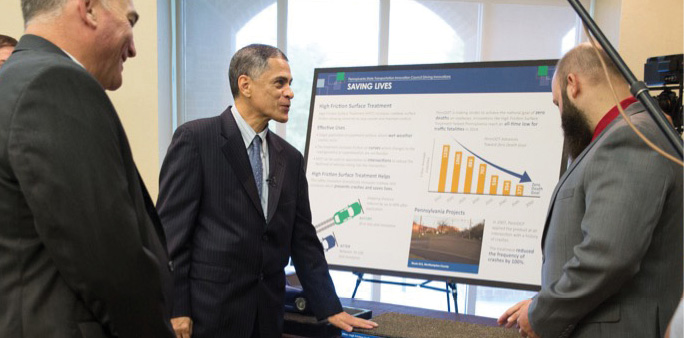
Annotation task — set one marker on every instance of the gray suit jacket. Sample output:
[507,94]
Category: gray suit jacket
[612,241]
[81,246]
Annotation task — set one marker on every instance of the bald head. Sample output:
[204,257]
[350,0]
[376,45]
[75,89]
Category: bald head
[583,60]
[583,95]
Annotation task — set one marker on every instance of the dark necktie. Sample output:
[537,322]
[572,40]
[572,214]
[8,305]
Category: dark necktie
[255,161]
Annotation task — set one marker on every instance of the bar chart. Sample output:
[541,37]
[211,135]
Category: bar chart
[463,171]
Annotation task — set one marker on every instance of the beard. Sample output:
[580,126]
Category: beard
[576,128]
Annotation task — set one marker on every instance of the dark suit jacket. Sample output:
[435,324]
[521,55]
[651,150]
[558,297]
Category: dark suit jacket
[613,239]
[80,248]
[229,258]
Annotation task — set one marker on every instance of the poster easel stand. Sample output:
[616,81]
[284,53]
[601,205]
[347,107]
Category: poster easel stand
[450,288]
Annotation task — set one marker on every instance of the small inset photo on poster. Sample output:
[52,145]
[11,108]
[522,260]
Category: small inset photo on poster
[445,243]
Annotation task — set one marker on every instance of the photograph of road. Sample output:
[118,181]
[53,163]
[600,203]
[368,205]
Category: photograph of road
[446,240]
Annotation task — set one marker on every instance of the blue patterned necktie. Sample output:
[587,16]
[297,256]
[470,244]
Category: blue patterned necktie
[255,161]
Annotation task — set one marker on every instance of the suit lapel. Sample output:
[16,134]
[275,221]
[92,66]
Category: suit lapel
[567,173]
[631,110]
[277,173]
[236,154]
[562,180]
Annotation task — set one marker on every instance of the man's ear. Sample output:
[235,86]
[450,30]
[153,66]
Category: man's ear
[574,86]
[86,12]
[245,85]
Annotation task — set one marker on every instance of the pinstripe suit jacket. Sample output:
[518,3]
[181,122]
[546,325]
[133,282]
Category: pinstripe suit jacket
[228,257]
[613,239]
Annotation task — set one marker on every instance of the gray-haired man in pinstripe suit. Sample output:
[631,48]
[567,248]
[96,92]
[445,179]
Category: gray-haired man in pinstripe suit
[234,203]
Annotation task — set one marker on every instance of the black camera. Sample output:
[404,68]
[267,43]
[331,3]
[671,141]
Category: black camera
[665,73]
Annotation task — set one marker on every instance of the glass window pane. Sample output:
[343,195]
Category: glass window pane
[211,32]
[520,32]
[492,302]
[437,31]
[435,297]
[346,281]
[321,34]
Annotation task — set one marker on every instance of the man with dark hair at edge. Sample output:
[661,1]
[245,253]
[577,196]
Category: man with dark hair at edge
[612,242]
[235,206]
[7,44]
[82,251]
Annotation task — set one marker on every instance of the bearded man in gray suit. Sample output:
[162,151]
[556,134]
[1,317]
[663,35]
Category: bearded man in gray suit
[82,251]
[612,241]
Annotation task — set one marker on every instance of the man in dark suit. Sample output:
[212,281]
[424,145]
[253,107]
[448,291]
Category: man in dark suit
[612,242]
[81,246]
[234,203]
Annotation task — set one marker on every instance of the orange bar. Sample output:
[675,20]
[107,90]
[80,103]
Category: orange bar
[493,185]
[507,188]
[481,177]
[457,171]
[469,174]
[443,169]
[519,190]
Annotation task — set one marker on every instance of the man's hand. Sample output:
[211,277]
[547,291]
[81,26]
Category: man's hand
[182,326]
[517,315]
[524,321]
[510,317]
[348,322]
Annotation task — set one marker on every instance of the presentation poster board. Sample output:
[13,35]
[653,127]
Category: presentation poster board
[441,171]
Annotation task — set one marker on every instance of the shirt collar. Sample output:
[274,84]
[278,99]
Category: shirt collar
[73,58]
[246,130]
[611,115]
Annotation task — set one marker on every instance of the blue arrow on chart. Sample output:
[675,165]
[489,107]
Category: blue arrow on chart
[523,178]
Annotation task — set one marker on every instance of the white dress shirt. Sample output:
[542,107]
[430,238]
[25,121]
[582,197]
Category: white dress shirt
[247,136]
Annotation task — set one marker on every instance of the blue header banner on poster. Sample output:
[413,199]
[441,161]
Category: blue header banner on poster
[513,79]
